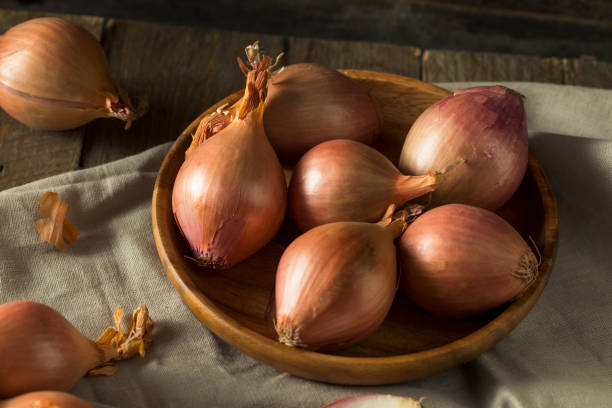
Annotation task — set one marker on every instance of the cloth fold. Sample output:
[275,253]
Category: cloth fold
[560,355]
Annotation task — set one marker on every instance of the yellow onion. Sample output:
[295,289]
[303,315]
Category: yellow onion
[45,399]
[336,282]
[41,350]
[487,127]
[230,196]
[375,401]
[344,180]
[459,260]
[306,104]
[54,76]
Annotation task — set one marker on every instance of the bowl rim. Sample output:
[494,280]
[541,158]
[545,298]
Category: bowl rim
[384,369]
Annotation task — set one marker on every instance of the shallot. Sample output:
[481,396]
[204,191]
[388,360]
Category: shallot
[54,76]
[344,180]
[335,283]
[459,260]
[375,401]
[230,196]
[487,127]
[45,399]
[306,104]
[41,350]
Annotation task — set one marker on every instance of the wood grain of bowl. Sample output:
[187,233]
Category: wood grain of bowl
[237,304]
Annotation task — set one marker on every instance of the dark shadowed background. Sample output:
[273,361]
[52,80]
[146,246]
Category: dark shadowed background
[561,28]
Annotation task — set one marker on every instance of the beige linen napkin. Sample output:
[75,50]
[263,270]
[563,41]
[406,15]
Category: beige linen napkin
[560,355]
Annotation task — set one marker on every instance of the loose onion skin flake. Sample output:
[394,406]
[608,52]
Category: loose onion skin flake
[487,127]
[41,350]
[54,76]
[459,261]
[54,227]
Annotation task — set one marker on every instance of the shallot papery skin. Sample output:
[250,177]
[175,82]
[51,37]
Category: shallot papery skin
[230,195]
[375,401]
[41,350]
[335,284]
[54,76]
[308,104]
[487,127]
[345,180]
[45,399]
[459,261]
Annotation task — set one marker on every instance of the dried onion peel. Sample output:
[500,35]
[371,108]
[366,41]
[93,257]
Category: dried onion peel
[54,227]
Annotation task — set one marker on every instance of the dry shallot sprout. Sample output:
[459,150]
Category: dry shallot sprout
[135,341]
[54,227]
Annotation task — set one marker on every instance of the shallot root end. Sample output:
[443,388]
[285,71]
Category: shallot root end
[528,269]
[288,337]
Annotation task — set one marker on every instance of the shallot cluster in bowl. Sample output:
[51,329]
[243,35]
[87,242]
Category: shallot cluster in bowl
[411,218]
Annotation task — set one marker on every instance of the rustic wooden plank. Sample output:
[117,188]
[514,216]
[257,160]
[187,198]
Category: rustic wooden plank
[442,66]
[563,28]
[28,154]
[372,56]
[588,71]
[9,18]
[181,71]
[572,10]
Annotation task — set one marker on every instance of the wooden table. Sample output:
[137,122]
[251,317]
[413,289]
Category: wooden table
[183,70]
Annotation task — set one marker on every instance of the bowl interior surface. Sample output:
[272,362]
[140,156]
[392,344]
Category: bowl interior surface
[238,304]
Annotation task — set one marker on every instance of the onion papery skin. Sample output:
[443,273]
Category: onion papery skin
[230,195]
[487,127]
[344,180]
[459,261]
[335,285]
[308,104]
[54,76]
[41,350]
[45,399]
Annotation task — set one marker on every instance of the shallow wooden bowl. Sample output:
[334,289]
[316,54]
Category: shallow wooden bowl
[237,304]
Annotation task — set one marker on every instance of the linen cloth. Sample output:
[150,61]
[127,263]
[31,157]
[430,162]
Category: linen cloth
[560,355]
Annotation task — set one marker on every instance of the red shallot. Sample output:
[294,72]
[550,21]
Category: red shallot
[375,401]
[54,76]
[458,261]
[487,127]
[344,180]
[335,283]
[306,104]
[229,197]
[45,399]
[41,350]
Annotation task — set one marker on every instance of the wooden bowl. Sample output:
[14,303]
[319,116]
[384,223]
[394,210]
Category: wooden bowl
[236,304]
